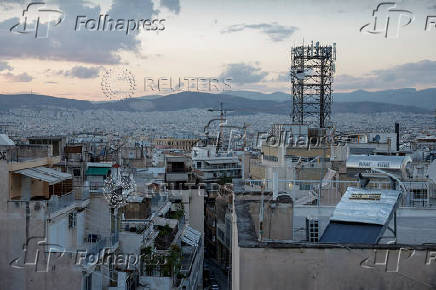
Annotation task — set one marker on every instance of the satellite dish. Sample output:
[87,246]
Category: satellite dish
[301,74]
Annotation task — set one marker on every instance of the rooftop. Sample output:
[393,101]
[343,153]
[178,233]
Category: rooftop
[5,141]
[415,226]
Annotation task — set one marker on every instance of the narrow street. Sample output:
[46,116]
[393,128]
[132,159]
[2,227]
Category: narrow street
[220,276]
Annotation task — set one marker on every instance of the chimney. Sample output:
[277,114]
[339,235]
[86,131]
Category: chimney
[397,132]
[275,184]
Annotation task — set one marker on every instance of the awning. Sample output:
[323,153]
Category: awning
[191,236]
[222,161]
[378,161]
[432,171]
[97,171]
[45,174]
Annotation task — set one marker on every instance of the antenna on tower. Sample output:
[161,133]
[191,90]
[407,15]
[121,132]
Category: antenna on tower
[312,70]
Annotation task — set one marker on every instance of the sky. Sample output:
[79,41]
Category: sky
[246,41]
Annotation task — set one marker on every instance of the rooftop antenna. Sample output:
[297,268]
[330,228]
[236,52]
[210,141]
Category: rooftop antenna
[222,119]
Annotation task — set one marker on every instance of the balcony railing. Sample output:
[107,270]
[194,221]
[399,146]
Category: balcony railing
[105,242]
[59,202]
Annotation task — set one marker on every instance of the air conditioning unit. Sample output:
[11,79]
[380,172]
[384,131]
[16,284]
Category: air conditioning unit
[312,229]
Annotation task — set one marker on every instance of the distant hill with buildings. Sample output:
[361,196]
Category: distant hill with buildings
[408,97]
[354,103]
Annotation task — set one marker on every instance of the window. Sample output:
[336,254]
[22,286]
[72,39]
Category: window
[270,158]
[72,220]
[419,194]
[88,282]
[76,172]
[312,229]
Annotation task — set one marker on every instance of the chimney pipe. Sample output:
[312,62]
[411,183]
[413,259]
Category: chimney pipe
[397,132]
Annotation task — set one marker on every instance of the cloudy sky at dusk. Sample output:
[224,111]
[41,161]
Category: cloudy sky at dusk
[247,41]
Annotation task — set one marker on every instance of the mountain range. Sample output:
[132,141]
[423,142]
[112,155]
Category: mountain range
[407,97]
[242,102]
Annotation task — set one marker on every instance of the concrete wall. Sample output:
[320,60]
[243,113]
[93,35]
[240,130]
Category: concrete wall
[332,268]
[99,217]
[17,270]
[156,283]
[23,152]
[130,243]
[4,185]
[196,210]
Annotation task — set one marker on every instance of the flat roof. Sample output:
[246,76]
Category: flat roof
[5,141]
[416,227]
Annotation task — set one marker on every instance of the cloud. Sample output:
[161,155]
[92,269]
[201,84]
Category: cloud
[413,74]
[282,77]
[18,78]
[172,5]
[274,30]
[83,72]
[242,73]
[5,66]
[64,43]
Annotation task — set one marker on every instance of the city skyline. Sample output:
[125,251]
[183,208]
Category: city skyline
[248,43]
